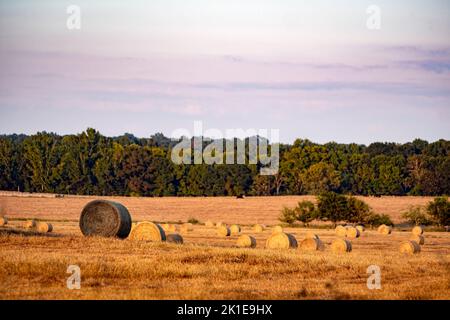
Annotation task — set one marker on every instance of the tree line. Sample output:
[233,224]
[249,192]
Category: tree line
[92,164]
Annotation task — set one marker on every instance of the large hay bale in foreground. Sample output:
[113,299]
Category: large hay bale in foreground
[277,229]
[281,240]
[148,231]
[3,221]
[384,230]
[235,229]
[409,247]
[341,231]
[312,244]
[352,233]
[341,245]
[174,238]
[30,224]
[258,228]
[419,239]
[209,224]
[417,231]
[246,241]
[106,219]
[361,229]
[223,231]
[44,227]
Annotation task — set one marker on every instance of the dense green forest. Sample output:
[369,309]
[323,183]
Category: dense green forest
[92,164]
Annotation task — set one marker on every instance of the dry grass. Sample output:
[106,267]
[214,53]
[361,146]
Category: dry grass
[229,210]
[33,265]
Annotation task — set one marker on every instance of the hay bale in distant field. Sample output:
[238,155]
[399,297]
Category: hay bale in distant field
[209,224]
[174,238]
[167,227]
[409,247]
[341,231]
[419,239]
[3,221]
[281,240]
[277,229]
[105,218]
[352,233]
[186,227]
[384,230]
[361,229]
[246,241]
[312,244]
[341,245]
[148,231]
[417,231]
[258,228]
[223,231]
[43,227]
[235,229]
[311,235]
[30,224]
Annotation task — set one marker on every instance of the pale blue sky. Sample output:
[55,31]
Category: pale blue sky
[309,68]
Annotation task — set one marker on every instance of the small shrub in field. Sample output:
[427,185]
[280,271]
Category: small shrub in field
[288,215]
[376,220]
[332,207]
[305,212]
[193,221]
[439,209]
[417,217]
[357,210]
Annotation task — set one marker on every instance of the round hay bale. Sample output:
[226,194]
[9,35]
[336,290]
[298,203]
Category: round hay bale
[148,231]
[312,244]
[223,231]
[352,233]
[106,219]
[281,240]
[186,227]
[209,224]
[3,221]
[30,224]
[219,224]
[384,230]
[341,231]
[235,229]
[246,241]
[258,228]
[174,238]
[341,245]
[409,247]
[417,231]
[43,227]
[419,239]
[361,229]
[167,227]
[277,229]
[311,235]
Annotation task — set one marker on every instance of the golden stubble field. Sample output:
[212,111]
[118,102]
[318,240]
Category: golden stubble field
[207,266]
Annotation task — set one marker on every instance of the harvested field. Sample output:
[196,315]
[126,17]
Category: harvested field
[33,265]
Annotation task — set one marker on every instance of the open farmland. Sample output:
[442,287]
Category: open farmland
[207,266]
[251,210]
